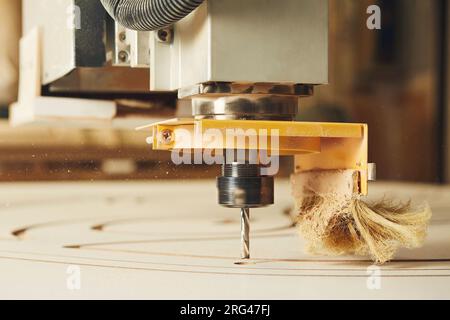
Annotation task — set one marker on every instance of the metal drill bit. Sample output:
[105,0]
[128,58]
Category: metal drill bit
[245,233]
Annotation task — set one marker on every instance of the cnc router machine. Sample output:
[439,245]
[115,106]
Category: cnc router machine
[243,65]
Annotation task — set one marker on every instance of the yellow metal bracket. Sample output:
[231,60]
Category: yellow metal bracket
[315,145]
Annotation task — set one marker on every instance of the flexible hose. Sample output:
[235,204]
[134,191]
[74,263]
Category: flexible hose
[149,15]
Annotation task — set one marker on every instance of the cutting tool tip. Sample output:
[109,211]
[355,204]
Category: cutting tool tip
[245,233]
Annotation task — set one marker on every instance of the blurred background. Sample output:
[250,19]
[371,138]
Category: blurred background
[395,79]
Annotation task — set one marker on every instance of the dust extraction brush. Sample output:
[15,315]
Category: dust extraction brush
[334,220]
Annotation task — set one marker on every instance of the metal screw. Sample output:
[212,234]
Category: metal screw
[123,36]
[123,56]
[165,35]
[166,136]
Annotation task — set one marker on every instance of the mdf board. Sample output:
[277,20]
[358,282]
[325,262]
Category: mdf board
[132,240]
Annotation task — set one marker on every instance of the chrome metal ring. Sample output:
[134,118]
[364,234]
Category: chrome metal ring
[251,107]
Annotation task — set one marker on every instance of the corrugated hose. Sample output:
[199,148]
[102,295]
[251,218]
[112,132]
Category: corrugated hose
[149,15]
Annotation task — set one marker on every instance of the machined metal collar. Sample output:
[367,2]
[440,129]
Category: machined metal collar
[246,107]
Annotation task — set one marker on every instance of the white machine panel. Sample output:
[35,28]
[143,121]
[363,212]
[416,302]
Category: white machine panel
[246,41]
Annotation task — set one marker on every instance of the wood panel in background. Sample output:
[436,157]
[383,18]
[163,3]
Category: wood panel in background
[387,79]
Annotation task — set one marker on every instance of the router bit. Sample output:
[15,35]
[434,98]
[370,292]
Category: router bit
[245,233]
[242,186]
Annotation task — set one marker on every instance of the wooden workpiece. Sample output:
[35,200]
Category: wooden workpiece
[132,240]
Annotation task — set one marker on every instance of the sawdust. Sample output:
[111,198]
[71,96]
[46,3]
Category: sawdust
[334,219]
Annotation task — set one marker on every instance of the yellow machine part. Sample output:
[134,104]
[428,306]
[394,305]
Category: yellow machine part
[315,145]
